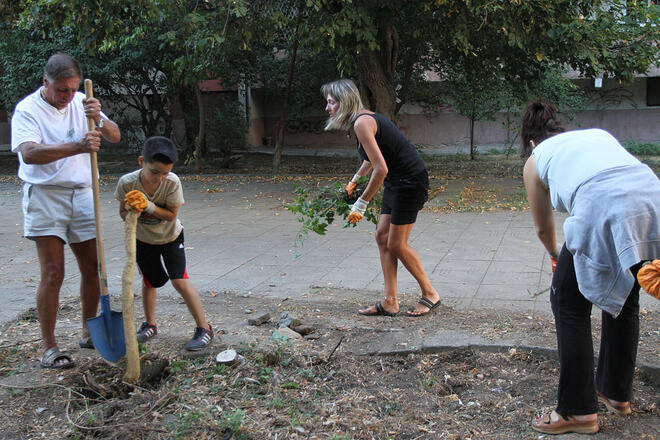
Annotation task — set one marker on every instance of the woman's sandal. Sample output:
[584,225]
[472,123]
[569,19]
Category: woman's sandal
[620,408]
[563,424]
[380,311]
[424,301]
[52,355]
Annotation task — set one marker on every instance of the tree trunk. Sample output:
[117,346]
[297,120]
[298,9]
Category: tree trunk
[471,138]
[277,157]
[376,71]
[201,134]
[132,373]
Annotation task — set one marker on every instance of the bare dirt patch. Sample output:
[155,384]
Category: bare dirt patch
[334,387]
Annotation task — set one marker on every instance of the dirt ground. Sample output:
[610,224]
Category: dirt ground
[338,386]
[333,387]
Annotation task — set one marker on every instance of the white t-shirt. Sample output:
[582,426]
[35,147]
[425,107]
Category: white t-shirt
[567,160]
[35,120]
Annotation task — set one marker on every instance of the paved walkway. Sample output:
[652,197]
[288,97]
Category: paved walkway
[240,238]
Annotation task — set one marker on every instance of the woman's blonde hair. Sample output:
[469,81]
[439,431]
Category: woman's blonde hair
[347,95]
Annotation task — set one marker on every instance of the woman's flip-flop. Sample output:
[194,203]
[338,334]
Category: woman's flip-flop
[424,301]
[380,311]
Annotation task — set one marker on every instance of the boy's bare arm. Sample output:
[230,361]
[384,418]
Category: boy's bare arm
[167,213]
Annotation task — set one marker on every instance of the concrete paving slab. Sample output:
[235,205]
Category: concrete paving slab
[243,239]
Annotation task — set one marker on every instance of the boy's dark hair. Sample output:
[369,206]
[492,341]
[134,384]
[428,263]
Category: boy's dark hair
[159,149]
[539,121]
[62,65]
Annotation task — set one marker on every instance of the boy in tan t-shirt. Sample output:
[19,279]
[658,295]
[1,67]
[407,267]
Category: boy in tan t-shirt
[160,235]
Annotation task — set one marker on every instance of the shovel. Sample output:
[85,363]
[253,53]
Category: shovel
[107,329]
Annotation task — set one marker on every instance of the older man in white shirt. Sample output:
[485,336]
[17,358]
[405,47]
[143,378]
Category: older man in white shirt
[49,133]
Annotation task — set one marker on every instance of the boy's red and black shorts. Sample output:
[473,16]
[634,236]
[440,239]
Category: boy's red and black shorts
[161,262]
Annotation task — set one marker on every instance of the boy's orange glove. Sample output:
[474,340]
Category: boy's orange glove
[136,201]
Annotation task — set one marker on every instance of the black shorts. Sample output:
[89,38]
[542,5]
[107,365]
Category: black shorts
[150,259]
[404,197]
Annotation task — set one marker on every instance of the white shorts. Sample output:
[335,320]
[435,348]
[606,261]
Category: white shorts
[67,213]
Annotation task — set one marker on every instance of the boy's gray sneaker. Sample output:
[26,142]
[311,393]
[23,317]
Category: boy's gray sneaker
[146,332]
[201,339]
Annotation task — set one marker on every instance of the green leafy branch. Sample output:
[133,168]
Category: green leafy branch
[317,209]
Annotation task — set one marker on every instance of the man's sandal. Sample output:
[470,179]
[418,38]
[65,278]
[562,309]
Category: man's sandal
[620,408]
[563,424]
[86,342]
[424,301]
[52,355]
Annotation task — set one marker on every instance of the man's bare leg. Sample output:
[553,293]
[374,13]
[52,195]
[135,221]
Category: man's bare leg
[50,250]
[90,289]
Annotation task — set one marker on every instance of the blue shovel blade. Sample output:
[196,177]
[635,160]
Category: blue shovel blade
[107,332]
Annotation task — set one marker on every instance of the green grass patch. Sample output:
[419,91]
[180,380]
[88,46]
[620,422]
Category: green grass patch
[642,148]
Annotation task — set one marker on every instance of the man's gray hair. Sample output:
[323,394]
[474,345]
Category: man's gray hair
[61,65]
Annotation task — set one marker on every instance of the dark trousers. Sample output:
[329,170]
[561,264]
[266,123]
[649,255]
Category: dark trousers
[618,345]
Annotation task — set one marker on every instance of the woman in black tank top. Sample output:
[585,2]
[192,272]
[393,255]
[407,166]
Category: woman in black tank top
[396,164]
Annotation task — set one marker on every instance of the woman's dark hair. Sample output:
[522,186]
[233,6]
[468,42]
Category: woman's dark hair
[539,122]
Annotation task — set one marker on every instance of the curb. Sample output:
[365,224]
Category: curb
[650,373]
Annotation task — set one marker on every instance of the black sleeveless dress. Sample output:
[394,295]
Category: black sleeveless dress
[407,180]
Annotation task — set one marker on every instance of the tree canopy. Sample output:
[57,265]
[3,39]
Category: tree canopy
[390,47]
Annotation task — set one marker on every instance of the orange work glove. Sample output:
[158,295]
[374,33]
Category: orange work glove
[354,217]
[554,256]
[351,185]
[649,278]
[135,200]
[357,210]
[350,188]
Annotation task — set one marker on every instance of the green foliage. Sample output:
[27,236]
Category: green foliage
[551,85]
[233,421]
[227,128]
[176,366]
[278,402]
[130,82]
[264,374]
[307,373]
[317,209]
[184,424]
[510,40]
[431,382]
[391,407]
[642,148]
[312,70]
[23,56]
[216,370]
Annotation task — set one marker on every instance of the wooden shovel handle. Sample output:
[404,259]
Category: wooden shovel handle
[91,125]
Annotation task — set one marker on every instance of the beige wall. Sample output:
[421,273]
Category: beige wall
[620,110]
